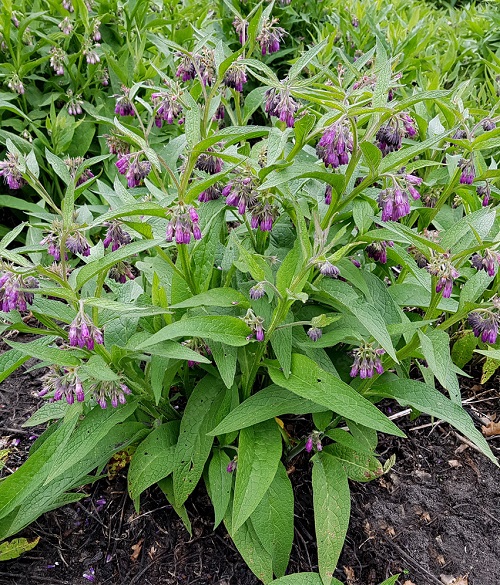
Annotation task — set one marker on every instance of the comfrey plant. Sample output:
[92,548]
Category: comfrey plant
[215,283]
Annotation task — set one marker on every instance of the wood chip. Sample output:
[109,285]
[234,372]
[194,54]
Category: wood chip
[491,430]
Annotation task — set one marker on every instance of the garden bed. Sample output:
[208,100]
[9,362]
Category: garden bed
[433,515]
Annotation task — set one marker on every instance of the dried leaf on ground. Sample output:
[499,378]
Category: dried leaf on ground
[491,429]
[137,550]
[449,580]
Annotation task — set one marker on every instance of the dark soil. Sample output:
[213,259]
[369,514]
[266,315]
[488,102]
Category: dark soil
[435,514]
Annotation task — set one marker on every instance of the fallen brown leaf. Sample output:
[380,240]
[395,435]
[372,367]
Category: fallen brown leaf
[137,550]
[454,463]
[492,429]
[350,575]
[408,583]
[449,580]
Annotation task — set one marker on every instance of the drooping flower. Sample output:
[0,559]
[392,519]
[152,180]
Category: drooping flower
[83,332]
[65,26]
[53,243]
[390,135]
[96,33]
[314,333]
[124,106]
[114,391]
[326,268]
[116,236]
[73,165]
[104,77]
[488,124]
[484,191]
[485,324]
[378,251]
[116,144]
[134,169]
[209,163]
[10,170]
[220,114]
[64,383]
[57,58]
[67,4]
[335,146]
[231,466]
[211,193]
[328,194]
[77,243]
[280,104]
[256,324]
[15,84]
[263,214]
[197,345]
[468,171]
[15,290]
[201,65]
[313,441]
[91,55]
[367,361]
[270,36]
[441,267]
[241,27]
[394,201]
[235,77]
[183,224]
[241,192]
[257,291]
[167,105]
[75,104]
[489,262]
[120,272]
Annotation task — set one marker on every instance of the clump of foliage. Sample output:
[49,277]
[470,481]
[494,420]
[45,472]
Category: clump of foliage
[228,226]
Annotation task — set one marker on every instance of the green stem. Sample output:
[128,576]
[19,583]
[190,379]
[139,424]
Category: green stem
[186,267]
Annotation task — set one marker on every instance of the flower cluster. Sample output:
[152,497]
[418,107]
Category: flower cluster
[116,236]
[280,104]
[124,106]
[120,272]
[241,192]
[15,290]
[378,251]
[199,346]
[256,325]
[15,84]
[113,390]
[468,171]
[484,191]
[116,144]
[335,145]
[315,333]
[489,262]
[484,324]
[441,267]
[57,58]
[326,268]
[313,441]
[183,224]
[167,107]
[257,291]
[367,361]
[134,169]
[75,104]
[65,26]
[83,332]
[73,165]
[11,173]
[77,243]
[62,383]
[211,193]
[395,201]
[209,163]
[270,36]
[390,136]
[235,77]
[195,64]
[241,27]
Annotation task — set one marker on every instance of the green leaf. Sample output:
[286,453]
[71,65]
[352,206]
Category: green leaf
[347,440]
[153,459]
[463,349]
[360,467]
[341,295]
[194,444]
[49,411]
[9,362]
[51,355]
[332,509]
[251,549]
[219,482]
[273,520]
[363,215]
[435,345]
[474,288]
[225,357]
[308,380]
[192,120]
[229,330]
[391,581]
[16,547]
[462,234]
[300,579]
[106,262]
[216,297]
[173,350]
[394,160]
[143,208]
[259,453]
[98,369]
[94,427]
[59,167]
[167,487]
[305,59]
[429,400]
[264,405]
[372,156]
